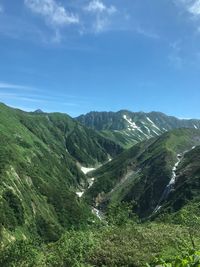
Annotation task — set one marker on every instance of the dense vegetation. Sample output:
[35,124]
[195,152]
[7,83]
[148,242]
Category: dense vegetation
[140,174]
[122,241]
[44,224]
[40,157]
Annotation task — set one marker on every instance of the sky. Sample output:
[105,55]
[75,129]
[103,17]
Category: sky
[75,56]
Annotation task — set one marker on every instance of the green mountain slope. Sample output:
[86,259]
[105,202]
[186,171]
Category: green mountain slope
[40,159]
[184,199]
[128,128]
[141,174]
[39,173]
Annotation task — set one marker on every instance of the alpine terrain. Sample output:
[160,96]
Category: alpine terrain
[128,128]
[105,189]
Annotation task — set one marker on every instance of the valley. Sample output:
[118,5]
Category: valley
[93,199]
[99,133]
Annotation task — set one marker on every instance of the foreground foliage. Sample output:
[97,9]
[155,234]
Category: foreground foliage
[130,244]
[192,258]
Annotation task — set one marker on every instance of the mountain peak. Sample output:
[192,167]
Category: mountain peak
[38,111]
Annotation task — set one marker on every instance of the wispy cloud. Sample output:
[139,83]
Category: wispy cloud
[22,93]
[14,96]
[175,57]
[96,6]
[147,33]
[20,99]
[67,20]
[5,85]
[54,14]
[102,14]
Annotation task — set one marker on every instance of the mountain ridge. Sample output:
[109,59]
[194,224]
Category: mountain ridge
[128,128]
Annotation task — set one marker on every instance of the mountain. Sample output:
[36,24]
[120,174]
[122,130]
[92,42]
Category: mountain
[149,194]
[185,197]
[38,111]
[128,128]
[41,156]
[145,175]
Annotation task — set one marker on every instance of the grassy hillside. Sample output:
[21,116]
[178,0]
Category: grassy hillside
[183,202]
[141,174]
[42,221]
[39,172]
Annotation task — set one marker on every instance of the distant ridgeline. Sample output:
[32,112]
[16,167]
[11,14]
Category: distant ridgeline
[128,128]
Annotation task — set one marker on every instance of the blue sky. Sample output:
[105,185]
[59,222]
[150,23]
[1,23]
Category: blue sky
[75,56]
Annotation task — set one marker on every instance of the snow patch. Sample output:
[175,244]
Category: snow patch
[132,126]
[85,170]
[149,132]
[150,120]
[91,181]
[79,194]
[155,132]
[131,123]
[109,159]
[97,212]
[153,124]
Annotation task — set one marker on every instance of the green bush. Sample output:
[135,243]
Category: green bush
[21,253]
[11,210]
[191,259]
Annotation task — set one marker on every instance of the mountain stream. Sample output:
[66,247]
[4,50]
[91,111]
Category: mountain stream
[95,211]
[172,181]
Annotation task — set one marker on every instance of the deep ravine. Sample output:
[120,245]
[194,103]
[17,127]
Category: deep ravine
[85,170]
[172,181]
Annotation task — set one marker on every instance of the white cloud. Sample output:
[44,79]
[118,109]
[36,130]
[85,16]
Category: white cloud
[195,8]
[102,14]
[54,13]
[191,6]
[98,6]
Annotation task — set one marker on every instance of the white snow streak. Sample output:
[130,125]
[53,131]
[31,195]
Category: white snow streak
[172,181]
[131,123]
[153,124]
[85,170]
